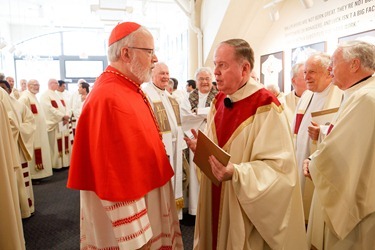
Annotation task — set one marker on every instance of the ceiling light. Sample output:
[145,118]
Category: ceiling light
[272,3]
[274,12]
[274,15]
[2,43]
[12,49]
[307,3]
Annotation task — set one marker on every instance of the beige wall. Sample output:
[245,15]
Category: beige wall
[297,26]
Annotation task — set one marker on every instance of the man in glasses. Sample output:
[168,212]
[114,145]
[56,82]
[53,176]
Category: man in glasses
[41,164]
[119,160]
[200,101]
[343,167]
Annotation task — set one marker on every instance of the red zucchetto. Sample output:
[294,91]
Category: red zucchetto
[122,30]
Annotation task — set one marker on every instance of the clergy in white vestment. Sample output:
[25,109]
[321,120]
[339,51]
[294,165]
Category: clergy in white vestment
[23,86]
[194,116]
[23,133]
[41,162]
[83,90]
[25,141]
[167,113]
[321,97]
[275,89]
[257,204]
[64,96]
[11,230]
[343,167]
[57,126]
[75,101]
[14,93]
[299,86]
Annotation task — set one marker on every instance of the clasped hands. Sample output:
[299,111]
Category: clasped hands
[65,119]
[221,172]
[306,171]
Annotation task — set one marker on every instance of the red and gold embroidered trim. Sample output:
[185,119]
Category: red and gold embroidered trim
[130,219]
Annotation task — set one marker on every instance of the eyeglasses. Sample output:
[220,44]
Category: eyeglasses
[151,52]
[201,79]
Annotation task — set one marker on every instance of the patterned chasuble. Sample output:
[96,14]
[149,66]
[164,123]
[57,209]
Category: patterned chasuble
[176,110]
[162,117]
[194,98]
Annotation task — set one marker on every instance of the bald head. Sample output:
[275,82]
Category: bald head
[160,75]
[53,84]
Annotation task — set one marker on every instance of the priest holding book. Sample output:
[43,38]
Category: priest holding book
[257,204]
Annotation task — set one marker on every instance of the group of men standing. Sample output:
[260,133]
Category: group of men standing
[42,141]
[334,211]
[127,155]
[131,185]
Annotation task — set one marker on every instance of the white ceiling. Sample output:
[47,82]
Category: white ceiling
[79,13]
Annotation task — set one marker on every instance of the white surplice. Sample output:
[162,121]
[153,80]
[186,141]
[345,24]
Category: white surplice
[167,113]
[58,134]
[41,163]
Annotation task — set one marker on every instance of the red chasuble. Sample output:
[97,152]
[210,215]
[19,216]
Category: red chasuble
[117,150]
[227,120]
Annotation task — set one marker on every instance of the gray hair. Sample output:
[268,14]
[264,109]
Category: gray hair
[275,89]
[364,51]
[295,69]
[114,50]
[32,81]
[322,58]
[203,69]
[156,68]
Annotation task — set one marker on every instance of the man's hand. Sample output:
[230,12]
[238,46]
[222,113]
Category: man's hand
[306,172]
[192,142]
[314,130]
[65,119]
[221,172]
